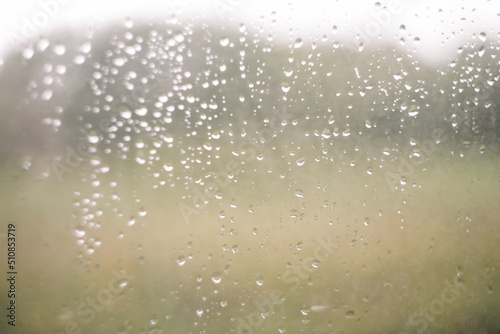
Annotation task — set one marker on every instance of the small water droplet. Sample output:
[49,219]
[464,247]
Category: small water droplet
[350,314]
[259,281]
[122,283]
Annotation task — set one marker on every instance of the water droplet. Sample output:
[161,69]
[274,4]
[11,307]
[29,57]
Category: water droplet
[47,94]
[259,281]
[28,53]
[79,232]
[181,260]
[299,245]
[413,111]
[299,193]
[119,61]
[305,309]
[26,162]
[298,43]
[168,166]
[79,59]
[131,221]
[141,111]
[129,23]
[301,161]
[216,135]
[224,41]
[142,212]
[325,133]
[482,36]
[285,87]
[127,114]
[216,277]
[350,314]
[93,138]
[59,49]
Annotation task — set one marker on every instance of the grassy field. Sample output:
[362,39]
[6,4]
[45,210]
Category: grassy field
[325,247]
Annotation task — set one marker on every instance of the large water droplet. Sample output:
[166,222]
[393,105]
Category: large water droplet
[301,161]
[216,277]
[224,41]
[181,260]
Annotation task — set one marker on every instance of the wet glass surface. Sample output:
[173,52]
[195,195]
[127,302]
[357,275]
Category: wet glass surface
[229,168]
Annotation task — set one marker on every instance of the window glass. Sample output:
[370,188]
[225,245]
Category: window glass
[250,167]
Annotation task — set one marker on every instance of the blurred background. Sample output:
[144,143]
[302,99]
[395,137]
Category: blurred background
[251,167]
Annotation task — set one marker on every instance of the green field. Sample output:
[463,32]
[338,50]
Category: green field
[315,249]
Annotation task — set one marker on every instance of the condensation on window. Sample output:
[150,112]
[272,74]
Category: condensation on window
[234,167]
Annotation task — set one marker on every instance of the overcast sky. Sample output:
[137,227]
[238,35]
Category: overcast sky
[440,26]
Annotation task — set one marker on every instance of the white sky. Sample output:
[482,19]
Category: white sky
[440,25]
